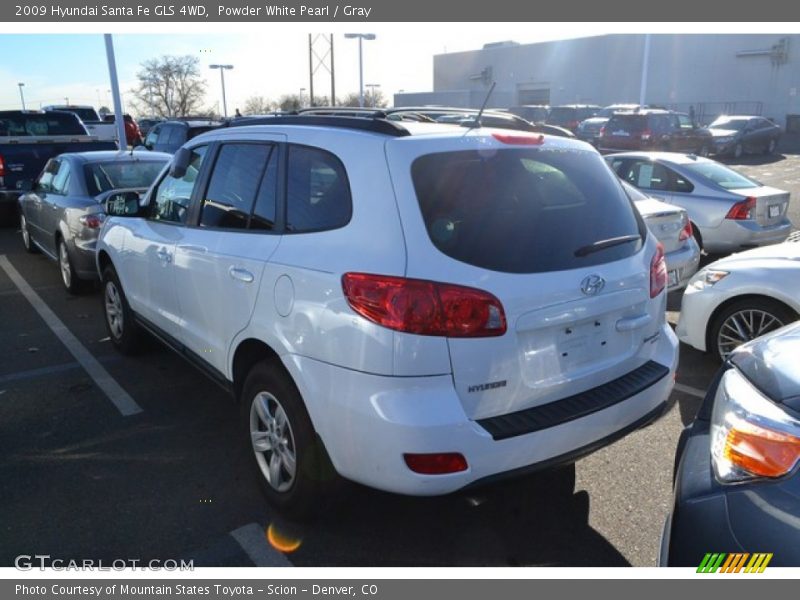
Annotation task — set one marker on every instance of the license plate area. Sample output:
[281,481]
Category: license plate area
[774,211]
[585,341]
[672,278]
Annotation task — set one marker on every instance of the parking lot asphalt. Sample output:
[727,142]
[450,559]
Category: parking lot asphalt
[80,480]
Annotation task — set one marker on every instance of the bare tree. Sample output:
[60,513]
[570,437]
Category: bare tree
[289,102]
[372,98]
[258,105]
[170,86]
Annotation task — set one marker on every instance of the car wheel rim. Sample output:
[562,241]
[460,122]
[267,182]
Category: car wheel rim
[26,237]
[114,314]
[743,326]
[63,262]
[273,441]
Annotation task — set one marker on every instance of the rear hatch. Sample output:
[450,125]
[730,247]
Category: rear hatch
[666,221]
[624,132]
[512,220]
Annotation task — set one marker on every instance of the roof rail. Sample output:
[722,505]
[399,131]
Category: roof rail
[373,125]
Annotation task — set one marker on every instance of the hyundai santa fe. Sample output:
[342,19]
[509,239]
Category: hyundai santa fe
[415,307]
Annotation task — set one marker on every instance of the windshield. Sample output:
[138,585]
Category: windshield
[628,123]
[724,123]
[524,210]
[561,116]
[721,175]
[33,124]
[101,177]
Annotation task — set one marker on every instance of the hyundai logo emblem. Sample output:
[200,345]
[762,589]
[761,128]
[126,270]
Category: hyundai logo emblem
[592,284]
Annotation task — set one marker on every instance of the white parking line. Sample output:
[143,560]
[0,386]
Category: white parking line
[119,397]
[692,391]
[253,540]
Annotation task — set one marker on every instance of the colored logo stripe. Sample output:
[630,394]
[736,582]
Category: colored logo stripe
[733,563]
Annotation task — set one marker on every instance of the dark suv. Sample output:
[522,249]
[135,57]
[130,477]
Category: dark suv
[171,135]
[654,130]
[570,116]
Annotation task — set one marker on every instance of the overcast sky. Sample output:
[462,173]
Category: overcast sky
[269,59]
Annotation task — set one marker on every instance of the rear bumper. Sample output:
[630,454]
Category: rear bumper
[684,262]
[734,235]
[368,422]
[83,253]
[9,201]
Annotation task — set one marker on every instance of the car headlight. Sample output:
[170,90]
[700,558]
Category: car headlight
[707,277]
[751,437]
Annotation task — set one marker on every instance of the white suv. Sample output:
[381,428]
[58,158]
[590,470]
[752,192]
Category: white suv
[422,307]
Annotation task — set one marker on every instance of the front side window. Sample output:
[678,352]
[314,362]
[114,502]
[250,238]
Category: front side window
[172,196]
[318,192]
[234,185]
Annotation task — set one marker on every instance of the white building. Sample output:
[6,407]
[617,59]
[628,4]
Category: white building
[715,73]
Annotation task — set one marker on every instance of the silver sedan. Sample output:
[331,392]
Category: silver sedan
[62,212]
[729,212]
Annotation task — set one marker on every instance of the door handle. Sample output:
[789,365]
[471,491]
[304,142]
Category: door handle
[164,255]
[241,274]
[193,248]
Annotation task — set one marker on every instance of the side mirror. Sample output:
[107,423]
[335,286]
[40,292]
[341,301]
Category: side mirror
[180,162]
[124,204]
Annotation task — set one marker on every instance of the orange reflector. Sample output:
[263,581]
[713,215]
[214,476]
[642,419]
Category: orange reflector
[760,451]
[519,139]
[281,541]
[436,464]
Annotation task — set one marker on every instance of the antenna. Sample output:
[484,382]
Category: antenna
[476,122]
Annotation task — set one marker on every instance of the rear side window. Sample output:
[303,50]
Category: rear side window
[317,192]
[49,123]
[626,123]
[234,184]
[61,180]
[524,211]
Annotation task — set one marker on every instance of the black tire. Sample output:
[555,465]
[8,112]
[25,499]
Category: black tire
[282,422]
[73,284]
[750,327]
[698,237]
[125,334]
[28,244]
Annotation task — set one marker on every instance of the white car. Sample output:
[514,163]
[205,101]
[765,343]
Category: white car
[672,227]
[419,306]
[741,297]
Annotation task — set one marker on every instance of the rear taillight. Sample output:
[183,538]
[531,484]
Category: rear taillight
[646,135]
[742,211]
[658,271]
[93,221]
[686,232]
[436,464]
[2,166]
[424,307]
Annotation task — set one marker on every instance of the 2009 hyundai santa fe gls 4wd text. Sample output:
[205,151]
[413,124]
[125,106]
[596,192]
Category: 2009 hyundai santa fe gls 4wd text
[421,307]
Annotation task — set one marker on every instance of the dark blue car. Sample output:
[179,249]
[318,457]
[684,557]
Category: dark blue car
[736,483]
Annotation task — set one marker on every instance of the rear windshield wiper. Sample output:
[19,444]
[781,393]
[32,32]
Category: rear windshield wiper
[603,244]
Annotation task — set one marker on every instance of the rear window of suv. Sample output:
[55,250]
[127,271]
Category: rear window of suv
[51,123]
[524,211]
[626,123]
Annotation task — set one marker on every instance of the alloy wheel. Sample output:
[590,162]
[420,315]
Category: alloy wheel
[743,326]
[273,441]
[63,263]
[114,314]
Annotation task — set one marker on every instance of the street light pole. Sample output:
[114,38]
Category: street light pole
[222,80]
[21,94]
[361,37]
[372,87]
